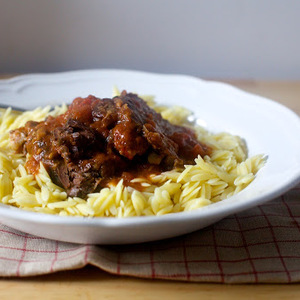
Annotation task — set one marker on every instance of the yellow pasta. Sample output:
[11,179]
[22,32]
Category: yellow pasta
[211,179]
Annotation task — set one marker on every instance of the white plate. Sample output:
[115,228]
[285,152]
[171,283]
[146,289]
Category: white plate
[267,127]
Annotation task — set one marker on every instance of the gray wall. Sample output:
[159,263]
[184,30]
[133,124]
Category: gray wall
[207,38]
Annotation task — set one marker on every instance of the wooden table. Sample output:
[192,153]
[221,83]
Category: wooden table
[92,283]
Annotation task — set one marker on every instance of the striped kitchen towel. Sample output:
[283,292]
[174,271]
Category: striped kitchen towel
[259,245]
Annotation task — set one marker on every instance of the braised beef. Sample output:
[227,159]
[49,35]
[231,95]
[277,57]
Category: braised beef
[97,140]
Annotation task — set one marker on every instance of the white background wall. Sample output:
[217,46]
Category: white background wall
[207,38]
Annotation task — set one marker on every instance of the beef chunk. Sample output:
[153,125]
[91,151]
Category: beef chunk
[99,139]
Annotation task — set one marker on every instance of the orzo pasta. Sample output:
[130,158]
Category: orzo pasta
[209,179]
